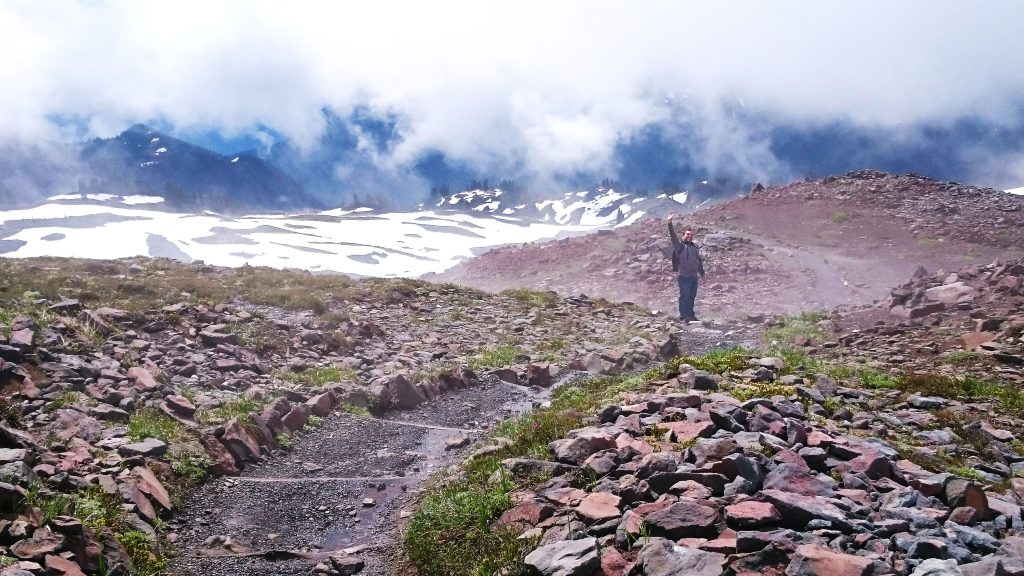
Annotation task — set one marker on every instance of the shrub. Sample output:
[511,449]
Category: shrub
[139,548]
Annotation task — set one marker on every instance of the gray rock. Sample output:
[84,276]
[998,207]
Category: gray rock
[683,520]
[565,558]
[937,567]
[976,540]
[148,447]
[661,557]
[108,412]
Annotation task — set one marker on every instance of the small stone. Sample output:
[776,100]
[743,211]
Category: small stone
[457,441]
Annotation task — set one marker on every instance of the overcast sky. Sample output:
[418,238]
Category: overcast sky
[553,84]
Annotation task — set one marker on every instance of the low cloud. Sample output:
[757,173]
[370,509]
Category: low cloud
[529,89]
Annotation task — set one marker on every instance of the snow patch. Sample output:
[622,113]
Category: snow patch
[334,240]
[140,199]
[680,197]
[1019,191]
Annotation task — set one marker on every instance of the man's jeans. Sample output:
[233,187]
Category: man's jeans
[687,293]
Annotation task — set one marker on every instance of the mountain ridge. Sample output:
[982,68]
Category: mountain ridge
[143,161]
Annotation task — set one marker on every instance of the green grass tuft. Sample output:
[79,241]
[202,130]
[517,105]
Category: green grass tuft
[451,535]
[962,356]
[789,328]
[532,297]
[496,357]
[317,377]
[152,423]
[716,361]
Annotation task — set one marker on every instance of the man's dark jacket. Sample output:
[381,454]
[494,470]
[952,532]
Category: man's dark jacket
[686,258]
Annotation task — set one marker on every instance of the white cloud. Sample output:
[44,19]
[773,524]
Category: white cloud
[551,84]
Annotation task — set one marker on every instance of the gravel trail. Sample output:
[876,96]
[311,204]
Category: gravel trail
[296,508]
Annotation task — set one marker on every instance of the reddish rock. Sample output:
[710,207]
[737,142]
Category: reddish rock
[613,563]
[403,394]
[227,365]
[912,471]
[690,489]
[721,545]
[38,546]
[599,506]
[321,404]
[148,447]
[997,433]
[149,485]
[688,431]
[296,418]
[530,513]
[57,566]
[585,442]
[143,506]
[144,380]
[816,560]
[221,461]
[564,496]
[964,515]
[662,557]
[797,510]
[973,340]
[96,320]
[962,492]
[242,446]
[22,338]
[874,465]
[180,405]
[749,513]
[798,480]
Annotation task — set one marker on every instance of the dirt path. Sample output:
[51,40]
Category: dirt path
[311,500]
[829,276]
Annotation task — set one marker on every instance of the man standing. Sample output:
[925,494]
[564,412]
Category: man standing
[687,263]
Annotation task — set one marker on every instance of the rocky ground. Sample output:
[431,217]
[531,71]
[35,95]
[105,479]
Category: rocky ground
[805,477]
[113,414]
[191,419]
[883,440]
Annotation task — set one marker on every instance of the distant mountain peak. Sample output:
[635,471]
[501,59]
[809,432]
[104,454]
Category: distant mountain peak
[144,161]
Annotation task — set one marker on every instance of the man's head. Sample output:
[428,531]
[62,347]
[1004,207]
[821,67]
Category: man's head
[687,235]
